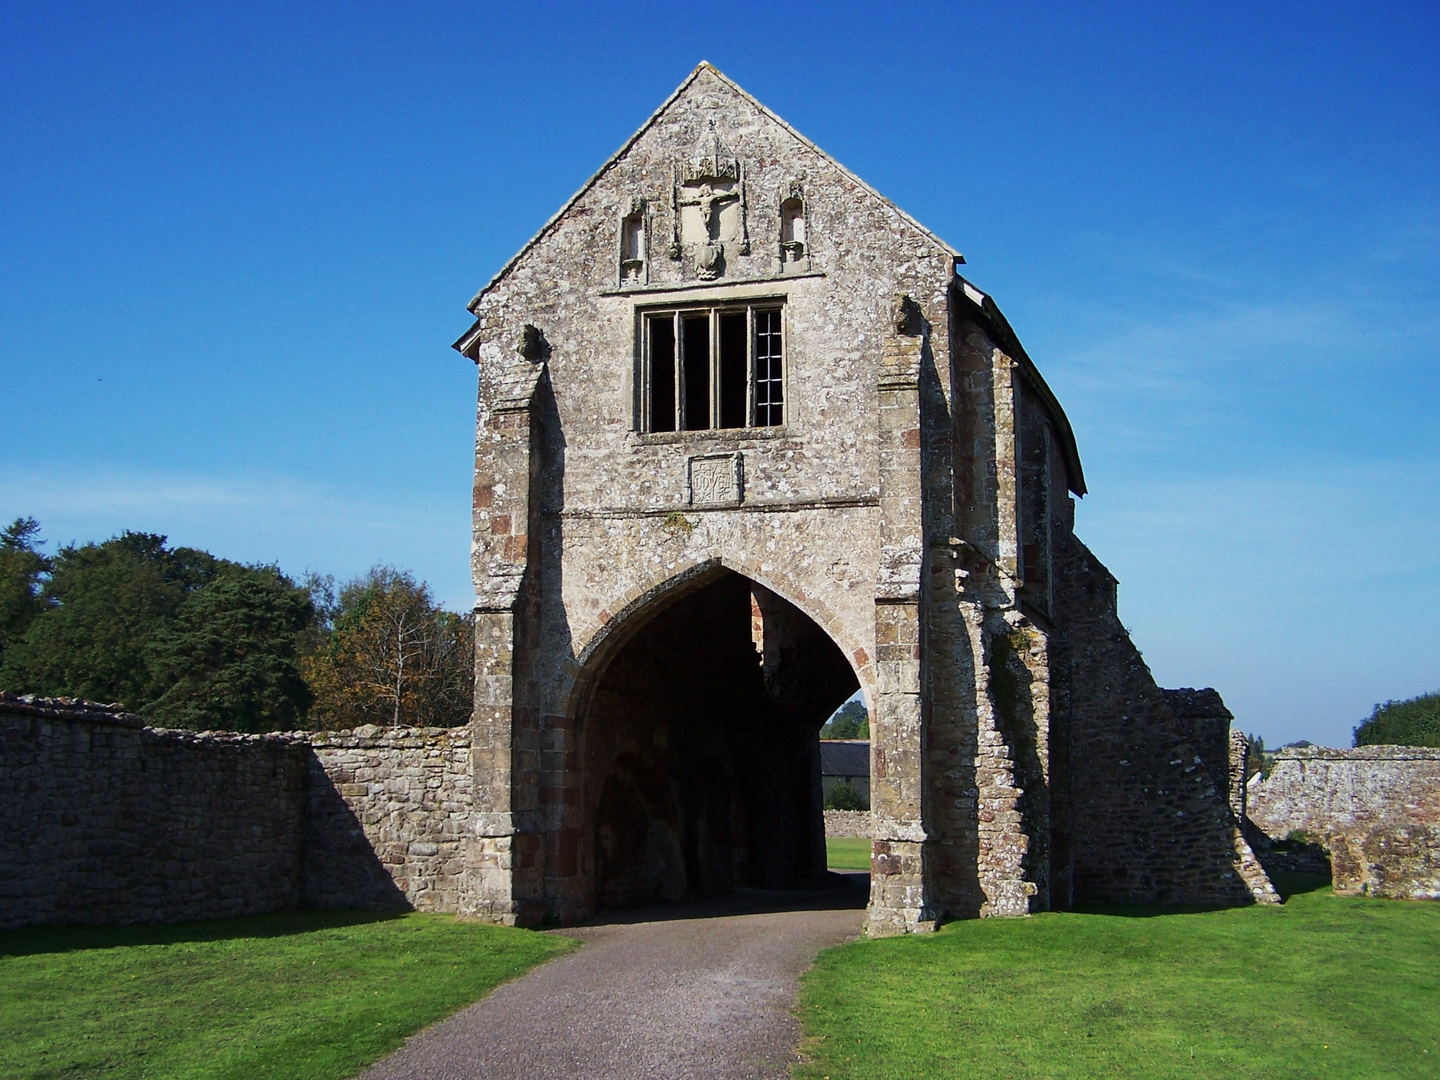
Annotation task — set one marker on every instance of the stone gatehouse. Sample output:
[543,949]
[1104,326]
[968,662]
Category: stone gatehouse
[747,440]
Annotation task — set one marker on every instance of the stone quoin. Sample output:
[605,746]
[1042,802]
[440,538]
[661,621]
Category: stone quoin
[746,441]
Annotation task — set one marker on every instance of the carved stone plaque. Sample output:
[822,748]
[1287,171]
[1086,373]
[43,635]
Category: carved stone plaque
[714,480]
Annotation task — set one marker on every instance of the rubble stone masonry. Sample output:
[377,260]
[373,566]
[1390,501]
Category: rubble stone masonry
[103,820]
[848,823]
[1376,808]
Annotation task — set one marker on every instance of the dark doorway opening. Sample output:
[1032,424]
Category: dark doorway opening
[701,749]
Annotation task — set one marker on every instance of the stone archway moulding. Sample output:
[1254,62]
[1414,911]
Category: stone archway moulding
[623,619]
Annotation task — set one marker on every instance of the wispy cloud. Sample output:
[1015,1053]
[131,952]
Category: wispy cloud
[267,518]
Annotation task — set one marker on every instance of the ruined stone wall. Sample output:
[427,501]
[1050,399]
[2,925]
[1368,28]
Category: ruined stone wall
[1376,808]
[1202,717]
[1149,823]
[103,820]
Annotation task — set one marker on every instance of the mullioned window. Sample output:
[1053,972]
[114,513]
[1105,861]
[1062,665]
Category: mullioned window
[717,367]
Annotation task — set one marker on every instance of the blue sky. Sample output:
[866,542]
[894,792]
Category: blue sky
[238,240]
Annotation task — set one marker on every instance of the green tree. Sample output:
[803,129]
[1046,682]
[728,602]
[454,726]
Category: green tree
[22,570]
[850,721]
[1256,760]
[393,656]
[103,604]
[845,796]
[229,658]
[1414,722]
[175,634]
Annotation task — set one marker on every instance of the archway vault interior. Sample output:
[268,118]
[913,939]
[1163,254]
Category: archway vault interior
[701,750]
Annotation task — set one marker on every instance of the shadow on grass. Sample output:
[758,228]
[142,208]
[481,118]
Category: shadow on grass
[841,891]
[1290,884]
[51,939]
[1287,885]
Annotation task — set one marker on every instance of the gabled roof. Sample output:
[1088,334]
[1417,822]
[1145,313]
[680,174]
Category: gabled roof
[982,303]
[844,757]
[704,66]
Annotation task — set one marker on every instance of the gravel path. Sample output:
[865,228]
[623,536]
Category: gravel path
[683,991]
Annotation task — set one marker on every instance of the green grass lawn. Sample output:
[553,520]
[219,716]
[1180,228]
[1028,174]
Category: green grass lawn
[847,852]
[299,996]
[1325,986]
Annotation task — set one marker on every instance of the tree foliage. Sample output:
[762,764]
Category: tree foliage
[1414,722]
[103,603]
[184,638]
[229,658]
[22,571]
[850,721]
[190,640]
[845,796]
[1258,759]
[392,655]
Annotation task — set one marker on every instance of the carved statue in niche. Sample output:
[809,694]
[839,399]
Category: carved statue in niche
[709,208]
[634,234]
[794,254]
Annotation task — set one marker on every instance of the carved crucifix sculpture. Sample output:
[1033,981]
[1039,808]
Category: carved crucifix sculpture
[710,261]
[710,201]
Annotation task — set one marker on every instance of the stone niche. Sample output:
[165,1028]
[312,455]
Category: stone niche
[794,245]
[634,245]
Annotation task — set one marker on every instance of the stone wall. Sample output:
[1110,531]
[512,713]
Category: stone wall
[386,818]
[103,820]
[1375,808]
[1149,816]
[854,823]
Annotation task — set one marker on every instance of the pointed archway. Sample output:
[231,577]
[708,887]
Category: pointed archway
[699,746]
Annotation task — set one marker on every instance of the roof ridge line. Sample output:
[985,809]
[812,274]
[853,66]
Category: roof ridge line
[948,247]
[704,65]
[611,161]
